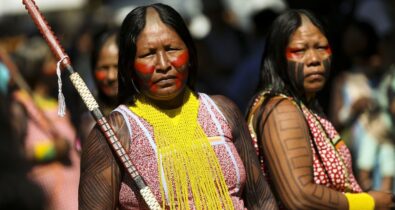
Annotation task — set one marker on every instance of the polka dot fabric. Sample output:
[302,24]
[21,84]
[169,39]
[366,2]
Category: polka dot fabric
[143,155]
[332,160]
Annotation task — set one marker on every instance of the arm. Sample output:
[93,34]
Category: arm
[257,193]
[288,154]
[100,179]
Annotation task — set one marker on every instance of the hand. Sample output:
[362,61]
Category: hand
[383,200]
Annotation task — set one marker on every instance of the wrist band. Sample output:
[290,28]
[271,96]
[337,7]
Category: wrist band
[360,201]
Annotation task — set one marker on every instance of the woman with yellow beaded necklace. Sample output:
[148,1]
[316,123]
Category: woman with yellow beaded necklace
[192,150]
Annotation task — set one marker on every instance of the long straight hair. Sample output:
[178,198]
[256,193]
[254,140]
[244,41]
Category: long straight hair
[274,70]
[131,27]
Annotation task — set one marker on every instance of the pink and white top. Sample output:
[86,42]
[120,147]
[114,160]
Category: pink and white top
[143,154]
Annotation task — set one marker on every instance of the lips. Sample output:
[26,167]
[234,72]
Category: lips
[164,79]
[315,74]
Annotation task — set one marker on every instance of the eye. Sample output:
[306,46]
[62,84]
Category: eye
[147,54]
[323,47]
[171,48]
[102,68]
[296,50]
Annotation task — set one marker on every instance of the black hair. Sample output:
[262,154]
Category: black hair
[99,41]
[131,27]
[274,75]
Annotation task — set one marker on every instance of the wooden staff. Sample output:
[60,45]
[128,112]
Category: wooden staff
[90,103]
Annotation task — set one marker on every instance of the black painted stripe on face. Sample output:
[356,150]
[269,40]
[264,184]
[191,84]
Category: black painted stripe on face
[296,76]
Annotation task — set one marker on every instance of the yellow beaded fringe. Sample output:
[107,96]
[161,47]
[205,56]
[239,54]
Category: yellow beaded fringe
[188,160]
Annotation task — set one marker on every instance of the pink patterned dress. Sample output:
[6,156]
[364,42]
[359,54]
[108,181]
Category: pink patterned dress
[331,157]
[143,153]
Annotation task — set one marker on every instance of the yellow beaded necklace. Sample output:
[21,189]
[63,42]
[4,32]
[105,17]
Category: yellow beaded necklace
[188,160]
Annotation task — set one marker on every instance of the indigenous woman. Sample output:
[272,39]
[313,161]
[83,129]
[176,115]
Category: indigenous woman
[104,68]
[192,150]
[303,157]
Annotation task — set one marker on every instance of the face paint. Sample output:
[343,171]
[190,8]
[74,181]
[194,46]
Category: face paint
[328,50]
[292,53]
[144,72]
[296,75]
[100,75]
[143,68]
[181,60]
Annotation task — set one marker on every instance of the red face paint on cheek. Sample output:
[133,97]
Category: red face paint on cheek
[154,88]
[291,53]
[100,75]
[143,68]
[181,78]
[181,60]
[328,50]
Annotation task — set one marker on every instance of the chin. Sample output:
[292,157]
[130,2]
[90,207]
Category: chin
[167,93]
[312,88]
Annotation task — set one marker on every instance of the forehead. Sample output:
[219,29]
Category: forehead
[307,32]
[155,30]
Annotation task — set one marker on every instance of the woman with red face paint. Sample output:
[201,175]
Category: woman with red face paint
[192,150]
[303,157]
[104,68]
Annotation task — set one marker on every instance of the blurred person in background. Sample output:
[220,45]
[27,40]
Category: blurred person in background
[248,68]
[104,69]
[356,110]
[17,190]
[302,155]
[220,50]
[50,139]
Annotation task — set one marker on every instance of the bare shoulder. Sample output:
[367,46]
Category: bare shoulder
[226,105]
[280,105]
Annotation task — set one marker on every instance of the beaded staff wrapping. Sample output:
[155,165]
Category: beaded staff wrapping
[90,103]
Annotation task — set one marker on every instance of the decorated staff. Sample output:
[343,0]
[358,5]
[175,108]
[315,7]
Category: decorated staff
[90,102]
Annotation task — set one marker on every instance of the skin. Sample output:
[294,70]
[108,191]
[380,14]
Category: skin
[308,54]
[106,70]
[161,63]
[101,173]
[285,135]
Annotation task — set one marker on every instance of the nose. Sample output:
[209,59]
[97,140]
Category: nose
[113,73]
[163,62]
[313,58]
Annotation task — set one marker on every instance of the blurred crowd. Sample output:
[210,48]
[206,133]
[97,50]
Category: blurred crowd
[230,37]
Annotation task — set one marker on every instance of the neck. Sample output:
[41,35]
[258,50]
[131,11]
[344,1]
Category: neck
[168,104]
[310,97]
